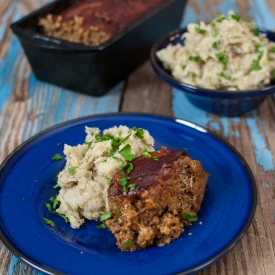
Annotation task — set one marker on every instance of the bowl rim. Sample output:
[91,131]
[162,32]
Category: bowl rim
[198,90]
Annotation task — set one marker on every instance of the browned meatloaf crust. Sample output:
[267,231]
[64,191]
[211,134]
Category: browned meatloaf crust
[167,189]
[92,22]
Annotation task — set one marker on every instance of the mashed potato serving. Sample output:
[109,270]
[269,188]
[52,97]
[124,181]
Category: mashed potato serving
[90,166]
[227,54]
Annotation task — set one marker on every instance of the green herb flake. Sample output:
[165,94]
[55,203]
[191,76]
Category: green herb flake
[130,168]
[237,36]
[194,58]
[235,17]
[255,31]
[140,178]
[272,50]
[255,65]
[56,186]
[140,133]
[49,207]
[71,169]
[36,180]
[273,74]
[222,58]
[55,201]
[212,24]
[101,226]
[270,58]
[89,143]
[193,75]
[105,160]
[23,199]
[190,217]
[58,144]
[228,77]
[119,132]
[106,216]
[125,152]
[57,157]
[183,67]
[215,45]
[261,53]
[49,222]
[220,19]
[200,31]
[128,244]
[132,186]
[216,33]
[108,180]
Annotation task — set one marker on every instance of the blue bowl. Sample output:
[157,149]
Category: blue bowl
[228,103]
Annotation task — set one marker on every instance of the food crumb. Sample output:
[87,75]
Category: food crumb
[189,233]
[81,252]
[200,222]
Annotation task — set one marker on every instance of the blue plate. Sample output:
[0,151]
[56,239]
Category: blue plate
[28,175]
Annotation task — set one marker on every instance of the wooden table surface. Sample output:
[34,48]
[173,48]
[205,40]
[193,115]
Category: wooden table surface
[28,106]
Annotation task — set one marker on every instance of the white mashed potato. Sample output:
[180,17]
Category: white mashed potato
[227,54]
[84,179]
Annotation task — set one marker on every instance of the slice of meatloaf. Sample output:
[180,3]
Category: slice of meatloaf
[162,195]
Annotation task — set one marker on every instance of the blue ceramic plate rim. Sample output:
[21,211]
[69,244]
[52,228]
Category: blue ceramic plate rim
[166,76]
[28,260]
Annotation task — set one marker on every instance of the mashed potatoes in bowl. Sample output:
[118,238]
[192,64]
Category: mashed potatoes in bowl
[229,54]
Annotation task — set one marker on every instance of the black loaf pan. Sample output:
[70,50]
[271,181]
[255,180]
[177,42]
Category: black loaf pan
[94,70]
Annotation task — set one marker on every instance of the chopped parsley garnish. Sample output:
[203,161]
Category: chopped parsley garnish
[55,201]
[255,31]
[130,168]
[101,226]
[121,168]
[125,152]
[146,154]
[273,74]
[216,33]
[183,67]
[139,132]
[261,53]
[255,65]
[220,19]
[119,132]
[106,216]
[140,178]
[215,45]
[56,186]
[128,244]
[235,17]
[190,217]
[237,36]
[23,199]
[194,58]
[212,24]
[88,143]
[104,160]
[123,183]
[193,75]
[272,50]
[57,157]
[49,222]
[108,180]
[58,144]
[222,58]
[199,30]
[132,186]
[270,58]
[222,74]
[71,169]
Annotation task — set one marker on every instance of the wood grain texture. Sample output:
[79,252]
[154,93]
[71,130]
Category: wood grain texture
[28,106]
